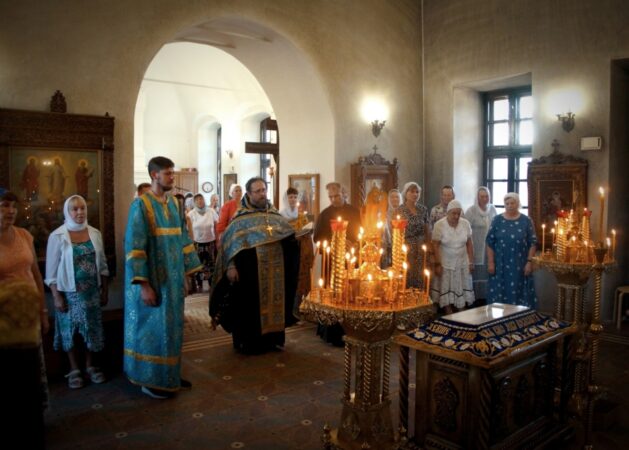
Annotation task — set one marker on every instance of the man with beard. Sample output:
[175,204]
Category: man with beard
[159,255]
[256,272]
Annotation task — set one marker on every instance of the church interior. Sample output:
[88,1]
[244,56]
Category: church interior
[305,92]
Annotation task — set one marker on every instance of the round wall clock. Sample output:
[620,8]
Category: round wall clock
[207,187]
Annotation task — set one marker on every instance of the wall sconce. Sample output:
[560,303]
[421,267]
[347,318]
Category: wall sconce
[230,153]
[567,121]
[377,126]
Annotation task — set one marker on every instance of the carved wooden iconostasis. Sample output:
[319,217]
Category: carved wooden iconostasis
[369,171]
[555,182]
[47,156]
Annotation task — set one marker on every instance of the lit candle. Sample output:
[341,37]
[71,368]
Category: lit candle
[602,215]
[404,268]
[369,288]
[427,273]
[360,245]
[320,289]
[613,243]
[338,219]
[404,250]
[323,262]
[543,238]
[425,250]
[390,295]
[327,269]
[318,245]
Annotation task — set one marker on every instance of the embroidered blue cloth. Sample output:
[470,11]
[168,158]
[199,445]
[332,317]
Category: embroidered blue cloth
[489,339]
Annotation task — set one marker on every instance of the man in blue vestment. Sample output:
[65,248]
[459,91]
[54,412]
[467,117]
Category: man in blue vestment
[159,255]
[256,274]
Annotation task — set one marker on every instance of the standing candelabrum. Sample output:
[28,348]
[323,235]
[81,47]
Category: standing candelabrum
[371,304]
[573,260]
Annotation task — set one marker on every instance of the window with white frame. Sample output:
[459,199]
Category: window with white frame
[508,143]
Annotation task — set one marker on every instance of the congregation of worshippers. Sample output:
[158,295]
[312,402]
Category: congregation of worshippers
[176,243]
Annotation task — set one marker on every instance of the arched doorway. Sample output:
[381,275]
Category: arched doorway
[282,83]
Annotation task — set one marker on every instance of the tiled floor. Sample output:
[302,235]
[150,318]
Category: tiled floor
[275,401]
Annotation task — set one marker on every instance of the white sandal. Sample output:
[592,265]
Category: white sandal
[95,374]
[75,380]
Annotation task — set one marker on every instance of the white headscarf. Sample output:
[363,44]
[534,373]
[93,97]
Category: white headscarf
[454,204]
[514,196]
[488,207]
[232,188]
[407,186]
[71,225]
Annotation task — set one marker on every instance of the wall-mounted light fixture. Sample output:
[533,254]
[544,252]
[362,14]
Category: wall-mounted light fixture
[567,121]
[229,153]
[377,126]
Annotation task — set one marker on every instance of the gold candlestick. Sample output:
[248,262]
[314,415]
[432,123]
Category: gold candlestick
[602,215]
[339,232]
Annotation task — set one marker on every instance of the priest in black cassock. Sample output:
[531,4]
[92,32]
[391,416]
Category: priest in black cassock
[256,275]
[323,232]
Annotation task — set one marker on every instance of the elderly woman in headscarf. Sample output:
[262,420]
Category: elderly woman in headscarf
[228,211]
[76,272]
[454,260]
[395,200]
[511,245]
[480,215]
[417,231]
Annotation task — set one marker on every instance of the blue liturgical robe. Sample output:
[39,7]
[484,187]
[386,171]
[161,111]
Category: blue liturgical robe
[158,250]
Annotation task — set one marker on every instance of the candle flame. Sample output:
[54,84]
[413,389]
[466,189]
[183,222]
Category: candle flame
[381,251]
[338,218]
[427,272]
[404,248]
[362,230]
[325,244]
[601,191]
[613,232]
[369,277]
[404,265]
[352,251]
[424,248]
[327,250]
[320,282]
[318,244]
[390,274]
[398,217]
[552,230]
[379,225]
[609,242]
[543,226]
[347,255]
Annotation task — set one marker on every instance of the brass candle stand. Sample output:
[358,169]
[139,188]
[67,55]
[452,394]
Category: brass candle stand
[366,415]
[572,278]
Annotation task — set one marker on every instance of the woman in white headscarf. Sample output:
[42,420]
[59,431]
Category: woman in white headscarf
[76,272]
[454,260]
[480,216]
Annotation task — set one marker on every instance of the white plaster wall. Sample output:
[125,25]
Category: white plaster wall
[97,54]
[561,43]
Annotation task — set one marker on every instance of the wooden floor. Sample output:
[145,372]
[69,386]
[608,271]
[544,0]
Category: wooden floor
[275,401]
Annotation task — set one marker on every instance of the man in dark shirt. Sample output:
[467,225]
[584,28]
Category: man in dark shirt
[323,232]
[338,208]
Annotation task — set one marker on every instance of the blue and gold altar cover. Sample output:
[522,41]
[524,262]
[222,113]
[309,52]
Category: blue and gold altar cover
[489,340]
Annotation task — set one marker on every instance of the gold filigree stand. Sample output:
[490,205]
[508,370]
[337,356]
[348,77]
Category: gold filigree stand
[571,300]
[366,413]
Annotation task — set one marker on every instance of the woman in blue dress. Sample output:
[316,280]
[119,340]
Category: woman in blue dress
[76,272]
[511,244]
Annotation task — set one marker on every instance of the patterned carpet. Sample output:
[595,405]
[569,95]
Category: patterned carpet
[275,401]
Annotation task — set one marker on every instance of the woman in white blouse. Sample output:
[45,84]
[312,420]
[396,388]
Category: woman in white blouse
[76,272]
[480,216]
[454,256]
